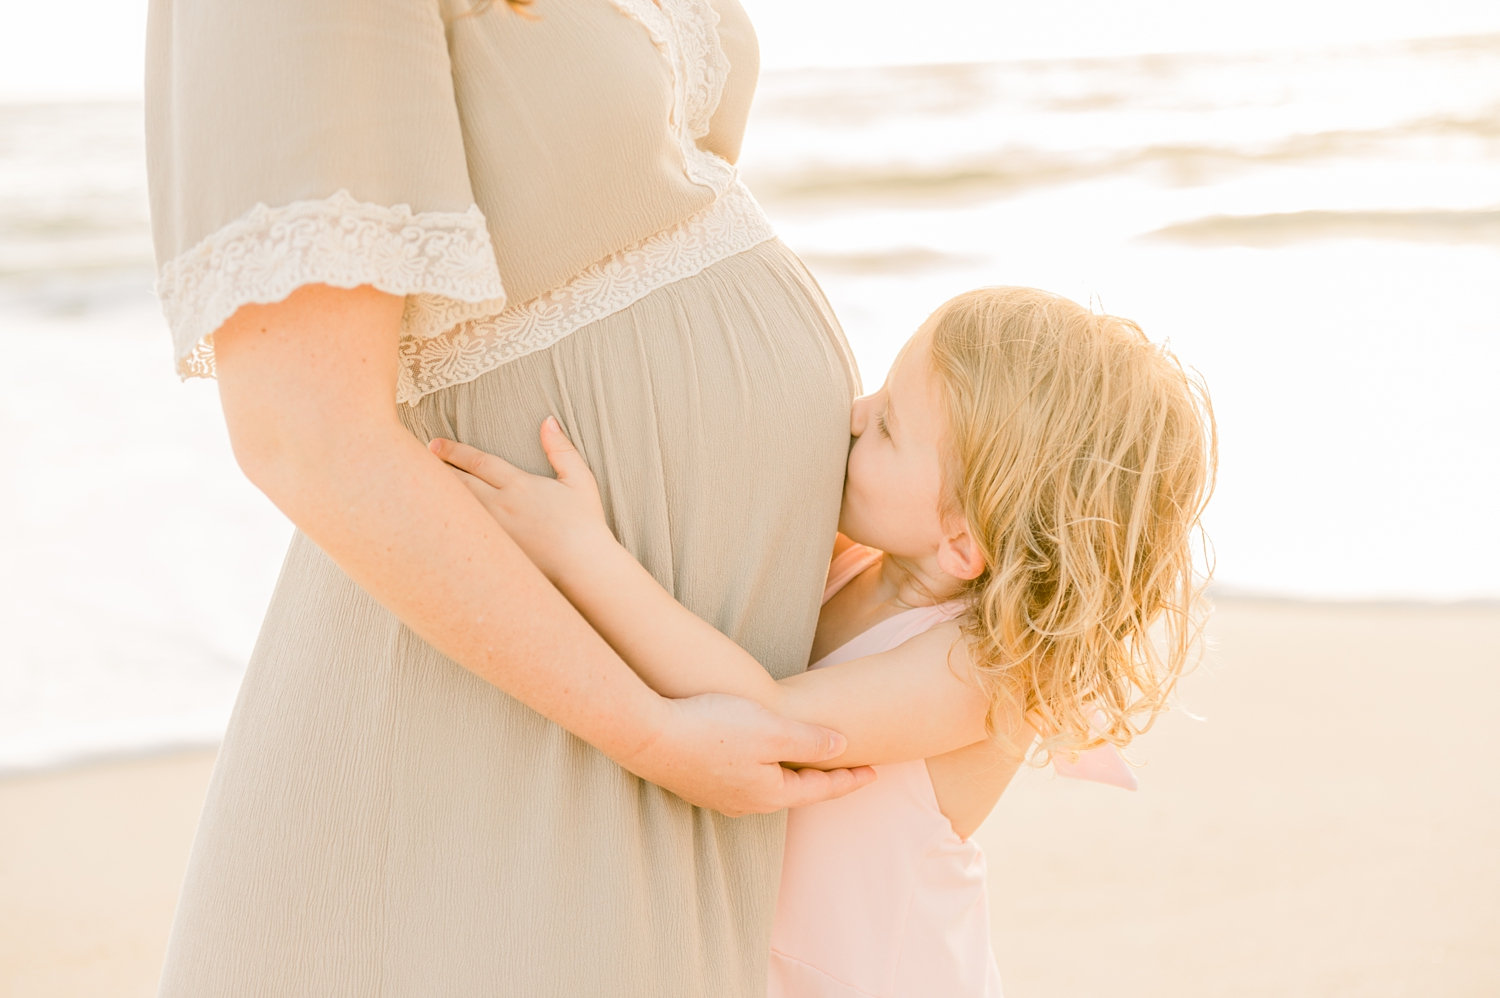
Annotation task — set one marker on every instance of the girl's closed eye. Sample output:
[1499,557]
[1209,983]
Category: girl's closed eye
[880,425]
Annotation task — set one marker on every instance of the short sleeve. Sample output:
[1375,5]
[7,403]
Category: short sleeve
[292,142]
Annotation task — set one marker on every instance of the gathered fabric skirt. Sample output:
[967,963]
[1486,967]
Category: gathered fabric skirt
[381,822]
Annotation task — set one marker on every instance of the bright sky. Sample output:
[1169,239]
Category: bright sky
[94,47]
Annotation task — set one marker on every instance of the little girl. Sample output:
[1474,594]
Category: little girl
[1017,515]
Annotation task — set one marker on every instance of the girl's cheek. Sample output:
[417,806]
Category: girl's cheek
[856,463]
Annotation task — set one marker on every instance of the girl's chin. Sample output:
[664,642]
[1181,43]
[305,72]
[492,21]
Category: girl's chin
[850,527]
[852,532]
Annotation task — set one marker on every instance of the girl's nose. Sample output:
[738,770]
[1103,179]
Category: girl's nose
[859,414]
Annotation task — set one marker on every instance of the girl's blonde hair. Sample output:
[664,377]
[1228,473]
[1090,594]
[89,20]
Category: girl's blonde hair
[1081,457]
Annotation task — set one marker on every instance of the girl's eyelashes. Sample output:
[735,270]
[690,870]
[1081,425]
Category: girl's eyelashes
[880,425]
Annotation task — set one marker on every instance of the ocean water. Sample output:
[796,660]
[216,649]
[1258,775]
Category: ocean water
[1318,233]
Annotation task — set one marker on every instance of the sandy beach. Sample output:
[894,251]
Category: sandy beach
[1327,828]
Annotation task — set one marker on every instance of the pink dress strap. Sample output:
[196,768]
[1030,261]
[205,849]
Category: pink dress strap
[1103,764]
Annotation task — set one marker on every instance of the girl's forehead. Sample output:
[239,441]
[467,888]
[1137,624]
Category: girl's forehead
[912,363]
[910,384]
[919,340]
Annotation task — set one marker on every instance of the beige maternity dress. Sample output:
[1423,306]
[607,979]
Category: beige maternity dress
[556,200]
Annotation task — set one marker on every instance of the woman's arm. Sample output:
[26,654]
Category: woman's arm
[308,387]
[912,702]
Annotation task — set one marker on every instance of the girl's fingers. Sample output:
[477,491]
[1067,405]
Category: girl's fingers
[476,462]
[473,483]
[561,453]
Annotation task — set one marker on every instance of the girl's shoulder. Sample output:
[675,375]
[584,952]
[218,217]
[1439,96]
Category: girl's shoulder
[946,641]
[942,638]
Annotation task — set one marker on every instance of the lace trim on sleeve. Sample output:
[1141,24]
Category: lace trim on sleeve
[442,261]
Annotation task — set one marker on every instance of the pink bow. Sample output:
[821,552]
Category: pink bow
[1098,765]
[1104,764]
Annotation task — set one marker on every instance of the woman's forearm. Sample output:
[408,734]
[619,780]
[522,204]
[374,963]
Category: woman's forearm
[307,387]
[399,524]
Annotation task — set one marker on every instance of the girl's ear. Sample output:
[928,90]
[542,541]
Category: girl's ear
[959,554]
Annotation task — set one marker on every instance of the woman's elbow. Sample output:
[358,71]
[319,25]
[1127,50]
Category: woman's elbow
[266,450]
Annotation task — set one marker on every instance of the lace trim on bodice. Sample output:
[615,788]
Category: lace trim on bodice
[686,33]
[455,326]
[442,261]
[733,223]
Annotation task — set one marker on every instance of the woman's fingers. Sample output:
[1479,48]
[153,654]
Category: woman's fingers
[799,742]
[809,786]
[809,744]
[718,751]
[803,743]
[494,470]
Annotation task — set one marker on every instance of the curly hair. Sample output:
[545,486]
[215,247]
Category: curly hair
[1082,455]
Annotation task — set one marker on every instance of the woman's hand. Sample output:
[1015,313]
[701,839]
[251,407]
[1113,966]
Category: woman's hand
[558,522]
[725,753]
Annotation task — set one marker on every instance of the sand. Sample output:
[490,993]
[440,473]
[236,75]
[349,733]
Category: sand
[1329,828]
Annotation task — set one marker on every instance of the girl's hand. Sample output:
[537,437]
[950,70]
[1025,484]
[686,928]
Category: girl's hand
[558,521]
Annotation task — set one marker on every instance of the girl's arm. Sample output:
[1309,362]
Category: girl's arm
[912,702]
[308,387]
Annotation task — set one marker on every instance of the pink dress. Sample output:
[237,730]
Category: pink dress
[880,898]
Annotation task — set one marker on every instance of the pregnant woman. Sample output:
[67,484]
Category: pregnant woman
[382,221]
